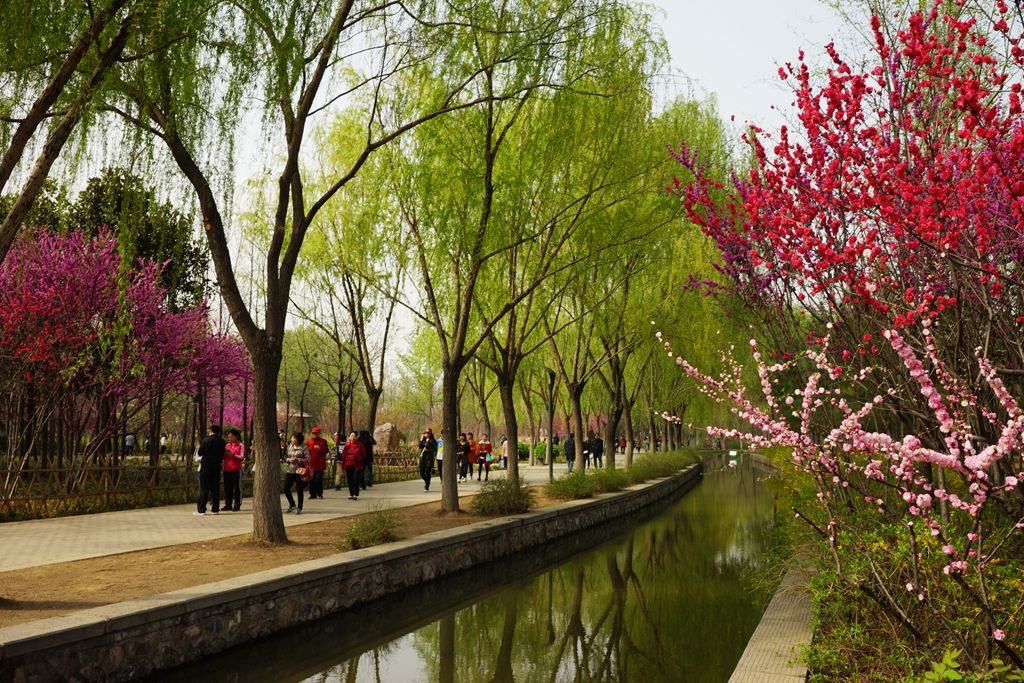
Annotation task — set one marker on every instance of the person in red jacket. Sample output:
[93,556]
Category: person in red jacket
[234,458]
[318,448]
[352,456]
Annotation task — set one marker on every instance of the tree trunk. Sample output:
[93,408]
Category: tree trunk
[628,427]
[155,414]
[267,521]
[576,397]
[302,401]
[525,395]
[508,408]
[450,432]
[486,416]
[373,401]
[610,443]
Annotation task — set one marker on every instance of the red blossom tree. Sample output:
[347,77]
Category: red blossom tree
[901,199]
[887,233]
[81,332]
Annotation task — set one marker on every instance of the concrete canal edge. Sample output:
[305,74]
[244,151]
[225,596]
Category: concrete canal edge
[774,652]
[131,639]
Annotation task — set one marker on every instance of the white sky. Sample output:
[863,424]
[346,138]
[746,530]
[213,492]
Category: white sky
[733,48]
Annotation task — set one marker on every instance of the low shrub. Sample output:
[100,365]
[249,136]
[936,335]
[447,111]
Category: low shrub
[378,526]
[541,451]
[524,450]
[503,497]
[607,481]
[571,486]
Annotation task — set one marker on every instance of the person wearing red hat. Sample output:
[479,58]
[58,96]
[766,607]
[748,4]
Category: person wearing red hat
[318,448]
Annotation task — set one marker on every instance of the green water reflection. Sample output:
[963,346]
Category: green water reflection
[668,600]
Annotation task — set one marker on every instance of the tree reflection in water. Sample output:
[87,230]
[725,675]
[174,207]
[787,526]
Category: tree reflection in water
[669,600]
[672,600]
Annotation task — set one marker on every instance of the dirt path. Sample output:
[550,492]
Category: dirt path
[57,589]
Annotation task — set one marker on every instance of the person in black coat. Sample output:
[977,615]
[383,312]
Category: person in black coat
[366,477]
[428,453]
[570,451]
[211,462]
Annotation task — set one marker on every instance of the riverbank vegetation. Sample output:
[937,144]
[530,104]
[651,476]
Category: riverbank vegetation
[586,483]
[381,524]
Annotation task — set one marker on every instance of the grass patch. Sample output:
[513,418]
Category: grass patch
[571,486]
[503,497]
[608,481]
[380,525]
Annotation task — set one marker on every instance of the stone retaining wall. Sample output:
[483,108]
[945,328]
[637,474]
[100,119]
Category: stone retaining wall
[127,640]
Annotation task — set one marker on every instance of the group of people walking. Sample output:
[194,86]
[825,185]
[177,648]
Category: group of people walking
[307,463]
[305,460]
[469,453]
[592,447]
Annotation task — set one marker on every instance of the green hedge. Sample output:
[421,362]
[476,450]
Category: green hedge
[580,484]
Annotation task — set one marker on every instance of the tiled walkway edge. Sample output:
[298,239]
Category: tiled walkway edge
[774,653]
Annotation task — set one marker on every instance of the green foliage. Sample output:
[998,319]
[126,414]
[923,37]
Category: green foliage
[378,526]
[656,465]
[571,486]
[524,450]
[541,451]
[608,481]
[580,484]
[145,228]
[503,497]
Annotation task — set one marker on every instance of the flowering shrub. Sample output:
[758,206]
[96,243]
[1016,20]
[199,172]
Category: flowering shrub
[879,249]
[82,334]
[954,521]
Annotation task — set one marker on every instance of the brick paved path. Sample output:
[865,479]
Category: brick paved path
[63,539]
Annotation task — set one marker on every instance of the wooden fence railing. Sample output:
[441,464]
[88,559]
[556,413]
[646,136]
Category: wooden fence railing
[35,492]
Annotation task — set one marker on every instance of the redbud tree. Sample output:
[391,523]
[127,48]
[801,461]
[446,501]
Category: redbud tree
[88,342]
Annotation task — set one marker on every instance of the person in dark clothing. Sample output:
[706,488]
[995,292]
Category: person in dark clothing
[597,450]
[211,461]
[428,453]
[462,451]
[570,451]
[367,472]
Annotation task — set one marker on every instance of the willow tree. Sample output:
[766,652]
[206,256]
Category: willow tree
[58,60]
[565,167]
[451,189]
[356,267]
[288,62]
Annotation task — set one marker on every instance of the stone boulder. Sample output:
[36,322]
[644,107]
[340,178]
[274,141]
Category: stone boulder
[387,437]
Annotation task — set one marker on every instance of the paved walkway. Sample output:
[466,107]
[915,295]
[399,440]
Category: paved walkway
[47,541]
[773,653]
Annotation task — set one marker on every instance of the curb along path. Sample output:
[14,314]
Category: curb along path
[134,638]
[773,654]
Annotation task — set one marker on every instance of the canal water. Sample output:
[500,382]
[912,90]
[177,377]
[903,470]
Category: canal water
[672,598]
